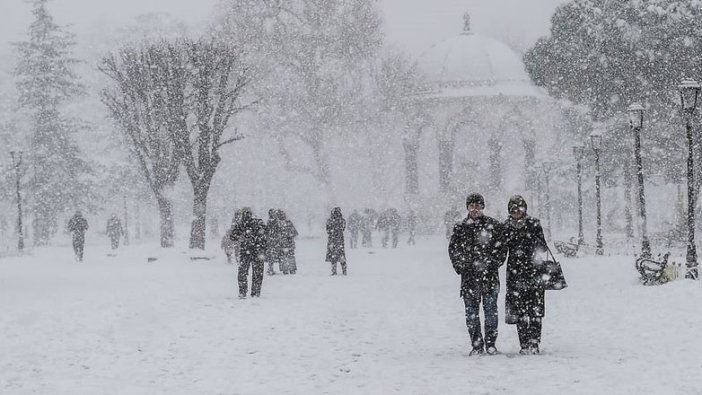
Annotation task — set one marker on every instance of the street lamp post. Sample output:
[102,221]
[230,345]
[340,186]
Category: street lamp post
[596,139]
[17,162]
[636,122]
[689,93]
[546,167]
[578,152]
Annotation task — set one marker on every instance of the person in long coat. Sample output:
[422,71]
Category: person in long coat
[525,243]
[335,241]
[288,233]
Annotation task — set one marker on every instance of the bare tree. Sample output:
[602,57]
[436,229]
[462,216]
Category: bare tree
[149,91]
[174,102]
[217,79]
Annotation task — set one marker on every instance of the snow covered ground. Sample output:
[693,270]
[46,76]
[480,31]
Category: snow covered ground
[120,325]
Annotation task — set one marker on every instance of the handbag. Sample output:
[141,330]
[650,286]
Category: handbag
[549,274]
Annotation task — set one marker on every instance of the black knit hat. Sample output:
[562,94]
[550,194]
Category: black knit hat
[516,201]
[475,198]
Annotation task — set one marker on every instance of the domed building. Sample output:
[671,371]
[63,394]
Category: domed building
[478,104]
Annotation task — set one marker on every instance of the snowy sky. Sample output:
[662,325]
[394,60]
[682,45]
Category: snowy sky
[411,24]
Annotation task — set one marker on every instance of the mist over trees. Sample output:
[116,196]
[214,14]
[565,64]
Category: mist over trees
[302,104]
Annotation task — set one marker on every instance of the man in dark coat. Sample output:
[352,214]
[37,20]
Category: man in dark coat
[335,241]
[77,225]
[524,241]
[354,225]
[251,234]
[114,231]
[476,252]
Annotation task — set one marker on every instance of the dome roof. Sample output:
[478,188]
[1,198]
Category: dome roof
[470,65]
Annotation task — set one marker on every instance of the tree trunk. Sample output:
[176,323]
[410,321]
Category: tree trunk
[198,228]
[137,221]
[164,209]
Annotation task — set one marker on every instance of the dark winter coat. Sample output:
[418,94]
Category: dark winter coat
[114,228]
[288,233]
[335,241]
[476,253]
[524,240]
[251,234]
[78,225]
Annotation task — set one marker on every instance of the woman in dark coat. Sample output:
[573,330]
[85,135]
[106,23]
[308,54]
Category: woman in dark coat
[524,240]
[335,243]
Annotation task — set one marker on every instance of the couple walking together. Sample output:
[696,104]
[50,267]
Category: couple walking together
[478,246]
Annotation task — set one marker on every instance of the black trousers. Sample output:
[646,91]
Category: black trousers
[256,275]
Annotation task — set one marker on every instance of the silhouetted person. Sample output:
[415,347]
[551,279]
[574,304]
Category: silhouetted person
[251,234]
[335,241]
[114,231]
[354,226]
[77,225]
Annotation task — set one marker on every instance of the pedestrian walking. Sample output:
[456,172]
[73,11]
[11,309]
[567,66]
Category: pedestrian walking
[77,225]
[114,231]
[251,234]
[524,301]
[476,253]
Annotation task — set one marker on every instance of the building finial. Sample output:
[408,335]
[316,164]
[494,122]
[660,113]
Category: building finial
[466,22]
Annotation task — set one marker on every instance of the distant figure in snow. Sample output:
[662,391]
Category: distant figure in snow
[411,227]
[476,253]
[114,231]
[229,244]
[394,223]
[288,233]
[273,249]
[382,225]
[77,225]
[524,301]
[335,241]
[251,234]
[354,226]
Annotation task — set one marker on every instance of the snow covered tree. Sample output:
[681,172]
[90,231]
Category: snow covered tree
[174,102]
[148,92]
[607,53]
[61,177]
